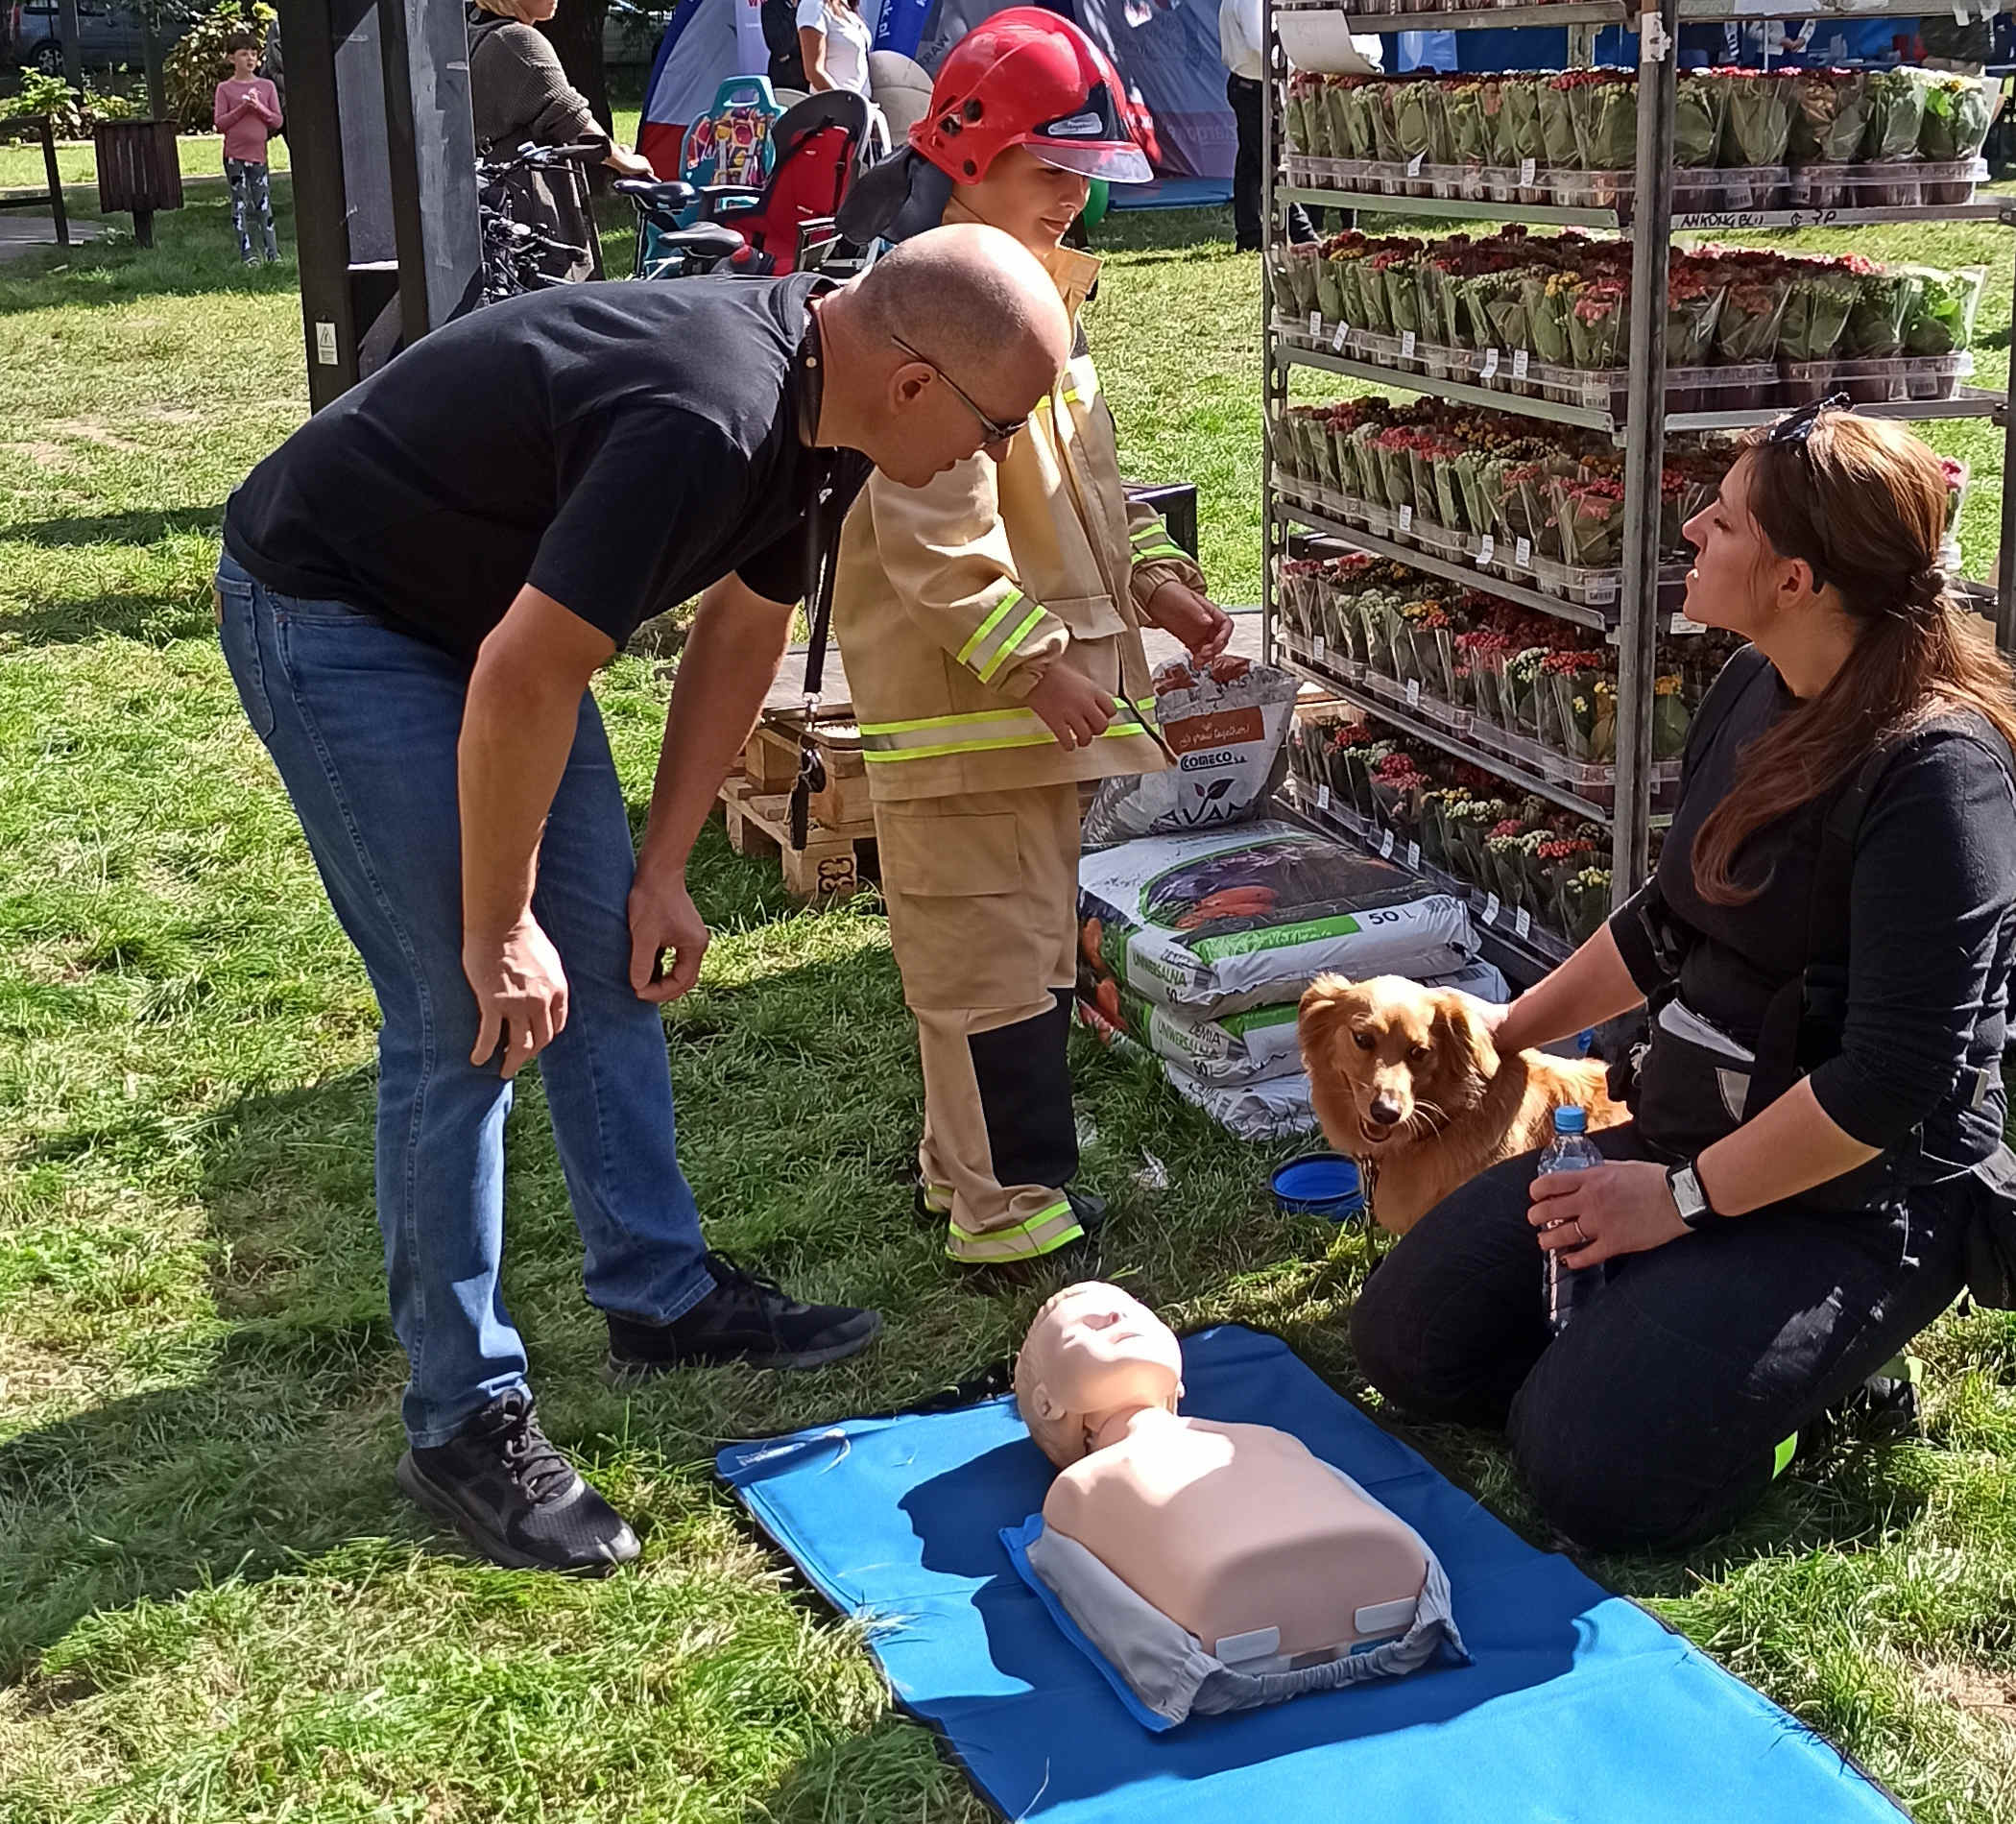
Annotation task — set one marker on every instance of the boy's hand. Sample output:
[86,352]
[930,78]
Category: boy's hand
[1072,708]
[1203,626]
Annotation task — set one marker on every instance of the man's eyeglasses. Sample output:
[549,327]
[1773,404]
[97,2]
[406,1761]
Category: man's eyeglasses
[997,432]
[1795,427]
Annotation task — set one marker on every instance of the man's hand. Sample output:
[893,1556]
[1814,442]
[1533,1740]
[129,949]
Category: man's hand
[663,918]
[521,994]
[629,164]
[1072,708]
[1203,626]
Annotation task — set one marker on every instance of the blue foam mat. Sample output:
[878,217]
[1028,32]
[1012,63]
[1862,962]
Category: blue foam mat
[1577,1705]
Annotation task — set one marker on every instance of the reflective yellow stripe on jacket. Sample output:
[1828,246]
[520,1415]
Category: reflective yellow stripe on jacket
[930,737]
[1151,542]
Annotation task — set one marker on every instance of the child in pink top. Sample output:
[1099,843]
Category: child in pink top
[247,110]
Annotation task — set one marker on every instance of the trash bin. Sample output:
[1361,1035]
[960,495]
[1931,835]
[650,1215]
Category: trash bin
[139,171]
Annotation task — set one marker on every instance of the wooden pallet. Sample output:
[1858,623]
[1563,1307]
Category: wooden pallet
[835,864]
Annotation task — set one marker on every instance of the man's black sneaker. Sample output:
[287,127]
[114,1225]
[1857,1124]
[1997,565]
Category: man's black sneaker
[503,1486]
[744,1318]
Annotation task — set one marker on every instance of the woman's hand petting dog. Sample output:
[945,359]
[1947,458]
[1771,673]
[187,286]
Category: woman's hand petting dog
[1626,1207]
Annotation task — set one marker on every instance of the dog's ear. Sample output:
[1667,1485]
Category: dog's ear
[1322,1006]
[1460,1036]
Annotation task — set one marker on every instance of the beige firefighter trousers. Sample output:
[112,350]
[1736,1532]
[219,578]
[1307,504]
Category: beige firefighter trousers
[982,891]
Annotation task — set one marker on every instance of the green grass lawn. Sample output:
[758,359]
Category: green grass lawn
[214,1605]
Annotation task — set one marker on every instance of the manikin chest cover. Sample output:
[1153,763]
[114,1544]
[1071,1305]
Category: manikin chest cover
[1164,1673]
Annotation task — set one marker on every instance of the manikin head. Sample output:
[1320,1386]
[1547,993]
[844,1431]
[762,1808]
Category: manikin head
[1094,1353]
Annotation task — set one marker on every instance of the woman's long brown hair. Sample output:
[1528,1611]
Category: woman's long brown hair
[1863,503]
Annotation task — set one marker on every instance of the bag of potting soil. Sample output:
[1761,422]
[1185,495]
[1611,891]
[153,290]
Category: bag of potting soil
[1249,1047]
[1227,724]
[1216,923]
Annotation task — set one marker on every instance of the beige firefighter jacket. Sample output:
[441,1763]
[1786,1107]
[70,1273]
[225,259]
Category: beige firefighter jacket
[950,599]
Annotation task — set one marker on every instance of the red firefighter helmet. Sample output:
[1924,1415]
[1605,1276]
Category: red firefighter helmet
[1028,76]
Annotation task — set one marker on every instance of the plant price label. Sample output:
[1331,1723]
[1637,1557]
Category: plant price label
[1490,362]
[1406,518]
[1518,364]
[1323,798]
[1386,846]
[1315,323]
[1407,344]
[1415,163]
[1487,550]
[1413,855]
[1413,694]
[1527,168]
[1342,336]
[1319,648]
[1491,908]
[1523,923]
[1522,553]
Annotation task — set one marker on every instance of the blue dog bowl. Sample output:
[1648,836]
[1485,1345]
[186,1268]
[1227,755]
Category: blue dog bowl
[1322,1184]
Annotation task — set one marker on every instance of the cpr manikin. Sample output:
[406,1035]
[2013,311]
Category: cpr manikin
[1277,1572]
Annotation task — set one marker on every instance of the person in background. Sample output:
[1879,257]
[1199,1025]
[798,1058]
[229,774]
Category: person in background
[273,65]
[833,41]
[1242,43]
[247,110]
[991,623]
[518,92]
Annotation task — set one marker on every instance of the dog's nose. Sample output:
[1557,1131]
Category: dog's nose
[1385,1111]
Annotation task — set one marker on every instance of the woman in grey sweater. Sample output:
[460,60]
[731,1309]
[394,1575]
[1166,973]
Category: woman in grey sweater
[518,92]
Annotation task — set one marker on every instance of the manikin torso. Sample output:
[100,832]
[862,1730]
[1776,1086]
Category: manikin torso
[1235,1531]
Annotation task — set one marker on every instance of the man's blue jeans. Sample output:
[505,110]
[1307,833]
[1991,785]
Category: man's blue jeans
[362,719]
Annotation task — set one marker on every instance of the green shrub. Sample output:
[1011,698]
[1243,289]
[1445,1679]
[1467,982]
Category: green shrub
[200,62]
[71,115]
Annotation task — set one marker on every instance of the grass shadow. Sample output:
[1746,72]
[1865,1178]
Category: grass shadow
[149,619]
[145,527]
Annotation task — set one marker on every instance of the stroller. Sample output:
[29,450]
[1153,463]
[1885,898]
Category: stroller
[820,145]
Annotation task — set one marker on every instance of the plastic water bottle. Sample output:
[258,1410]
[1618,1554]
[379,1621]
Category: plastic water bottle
[1563,1287]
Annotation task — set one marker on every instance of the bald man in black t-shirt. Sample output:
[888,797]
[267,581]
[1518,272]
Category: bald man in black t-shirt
[415,591]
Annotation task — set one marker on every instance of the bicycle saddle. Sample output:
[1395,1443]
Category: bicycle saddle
[708,240]
[657,196]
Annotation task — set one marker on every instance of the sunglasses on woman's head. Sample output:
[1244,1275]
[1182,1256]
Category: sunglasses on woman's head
[1795,427]
[997,433]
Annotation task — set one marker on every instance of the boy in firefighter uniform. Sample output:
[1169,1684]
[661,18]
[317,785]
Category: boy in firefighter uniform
[991,627]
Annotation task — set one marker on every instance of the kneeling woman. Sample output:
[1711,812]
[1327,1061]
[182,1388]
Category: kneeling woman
[1790,1203]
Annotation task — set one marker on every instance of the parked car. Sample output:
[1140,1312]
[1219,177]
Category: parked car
[108,35]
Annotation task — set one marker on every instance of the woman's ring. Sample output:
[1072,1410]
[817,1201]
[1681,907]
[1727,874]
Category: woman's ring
[1581,1233]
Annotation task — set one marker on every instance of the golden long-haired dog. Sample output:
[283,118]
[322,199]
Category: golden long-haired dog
[1406,1080]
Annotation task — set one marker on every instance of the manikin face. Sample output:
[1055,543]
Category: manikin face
[1092,1350]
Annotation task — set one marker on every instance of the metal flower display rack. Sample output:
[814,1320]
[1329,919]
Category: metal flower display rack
[1481,561]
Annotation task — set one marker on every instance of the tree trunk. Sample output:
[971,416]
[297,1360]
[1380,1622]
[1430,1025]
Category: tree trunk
[73,45]
[576,34]
[151,58]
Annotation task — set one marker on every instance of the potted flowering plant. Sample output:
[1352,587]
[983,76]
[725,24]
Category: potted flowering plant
[1558,856]
[1603,105]
[1303,133]
[1397,783]
[1466,823]
[1559,150]
[1939,317]
[1596,316]
[1507,850]
[1830,122]
[1578,707]
[1420,128]
[1700,115]
[1520,692]
[1759,129]
[1547,297]
[1293,269]
[1670,716]
[1469,131]
[1591,516]
[1752,310]
[1585,904]
[1958,111]
[1896,122]
[1875,332]
[1810,332]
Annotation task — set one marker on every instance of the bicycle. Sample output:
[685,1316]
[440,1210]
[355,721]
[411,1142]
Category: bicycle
[514,254]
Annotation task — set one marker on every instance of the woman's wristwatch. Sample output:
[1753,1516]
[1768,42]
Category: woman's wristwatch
[1688,1198]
